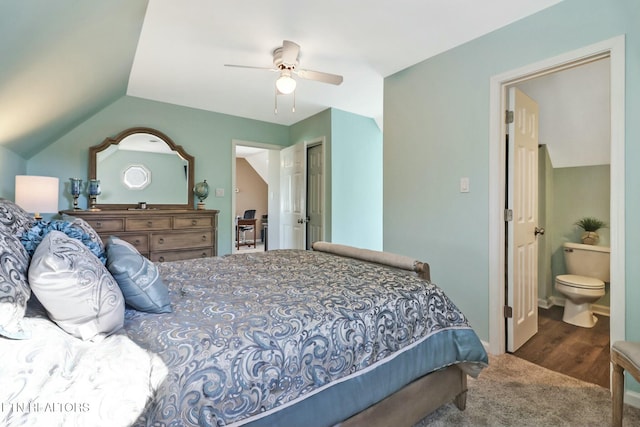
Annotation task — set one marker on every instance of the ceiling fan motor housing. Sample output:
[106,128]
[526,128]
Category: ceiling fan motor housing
[279,63]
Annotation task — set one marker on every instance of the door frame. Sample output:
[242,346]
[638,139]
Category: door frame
[320,141]
[615,49]
[273,191]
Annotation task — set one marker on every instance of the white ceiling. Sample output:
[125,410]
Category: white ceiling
[184,45]
[574,114]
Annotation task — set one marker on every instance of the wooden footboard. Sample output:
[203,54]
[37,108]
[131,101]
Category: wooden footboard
[415,401]
[384,258]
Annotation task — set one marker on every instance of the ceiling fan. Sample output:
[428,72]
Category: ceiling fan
[285,61]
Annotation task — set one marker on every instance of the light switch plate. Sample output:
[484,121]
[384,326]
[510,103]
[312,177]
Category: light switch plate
[464,184]
[219,192]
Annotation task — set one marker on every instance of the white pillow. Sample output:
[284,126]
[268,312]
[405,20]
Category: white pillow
[14,287]
[77,291]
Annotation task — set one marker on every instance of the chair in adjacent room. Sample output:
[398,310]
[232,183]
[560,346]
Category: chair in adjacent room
[248,214]
[625,356]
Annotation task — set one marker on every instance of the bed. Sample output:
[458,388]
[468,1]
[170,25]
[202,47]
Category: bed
[332,336]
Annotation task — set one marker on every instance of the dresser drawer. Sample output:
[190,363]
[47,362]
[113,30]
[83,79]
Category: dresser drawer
[106,225]
[147,224]
[139,241]
[193,222]
[180,255]
[181,240]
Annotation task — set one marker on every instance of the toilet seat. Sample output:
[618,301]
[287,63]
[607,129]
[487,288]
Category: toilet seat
[581,282]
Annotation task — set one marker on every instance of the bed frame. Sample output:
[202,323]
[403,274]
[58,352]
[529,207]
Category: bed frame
[415,401]
[419,398]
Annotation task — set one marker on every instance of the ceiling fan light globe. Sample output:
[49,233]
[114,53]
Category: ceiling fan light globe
[285,84]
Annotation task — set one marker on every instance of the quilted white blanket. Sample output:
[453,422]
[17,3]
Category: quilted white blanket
[54,379]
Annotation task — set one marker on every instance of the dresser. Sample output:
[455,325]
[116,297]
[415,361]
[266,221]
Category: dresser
[159,234]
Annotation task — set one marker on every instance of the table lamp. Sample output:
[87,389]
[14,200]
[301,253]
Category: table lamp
[37,194]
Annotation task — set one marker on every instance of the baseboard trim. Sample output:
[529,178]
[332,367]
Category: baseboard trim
[545,303]
[632,398]
[602,310]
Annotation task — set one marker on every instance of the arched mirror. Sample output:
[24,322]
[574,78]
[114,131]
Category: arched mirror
[142,165]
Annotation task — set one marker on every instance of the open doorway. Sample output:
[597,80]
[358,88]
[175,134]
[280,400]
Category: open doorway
[255,195]
[311,192]
[614,49]
[573,153]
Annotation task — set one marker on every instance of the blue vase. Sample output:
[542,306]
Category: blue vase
[94,187]
[74,189]
[94,192]
[76,183]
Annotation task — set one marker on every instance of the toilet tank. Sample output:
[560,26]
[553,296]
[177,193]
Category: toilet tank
[587,260]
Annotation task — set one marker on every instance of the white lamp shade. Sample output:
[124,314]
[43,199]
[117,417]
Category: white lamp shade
[37,194]
[285,84]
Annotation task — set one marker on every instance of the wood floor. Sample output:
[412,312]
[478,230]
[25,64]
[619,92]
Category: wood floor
[581,353]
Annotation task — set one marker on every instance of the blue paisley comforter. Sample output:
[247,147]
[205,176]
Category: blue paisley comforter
[252,334]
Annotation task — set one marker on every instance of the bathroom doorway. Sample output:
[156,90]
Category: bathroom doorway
[574,158]
[613,49]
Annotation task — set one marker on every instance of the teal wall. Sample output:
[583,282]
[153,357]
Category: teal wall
[564,196]
[436,130]
[357,180]
[205,135]
[578,192]
[10,165]
[353,182]
[312,128]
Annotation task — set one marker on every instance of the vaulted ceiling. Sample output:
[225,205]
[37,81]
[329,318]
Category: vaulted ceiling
[64,60]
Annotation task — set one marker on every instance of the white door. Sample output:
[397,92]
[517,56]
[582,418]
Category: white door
[522,253]
[292,197]
[315,194]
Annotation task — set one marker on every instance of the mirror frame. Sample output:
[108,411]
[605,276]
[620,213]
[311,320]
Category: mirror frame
[94,150]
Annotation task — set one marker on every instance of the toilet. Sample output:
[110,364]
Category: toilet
[588,270]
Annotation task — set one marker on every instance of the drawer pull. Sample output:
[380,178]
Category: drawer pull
[136,242]
[161,259]
[149,223]
[98,224]
[194,222]
[204,238]
[161,240]
[204,255]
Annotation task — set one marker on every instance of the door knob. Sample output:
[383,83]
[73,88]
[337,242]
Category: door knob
[539,230]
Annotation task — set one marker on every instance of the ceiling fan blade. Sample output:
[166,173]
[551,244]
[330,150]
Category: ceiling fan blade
[290,51]
[250,66]
[334,79]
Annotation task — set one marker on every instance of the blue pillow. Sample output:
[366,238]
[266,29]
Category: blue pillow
[32,237]
[138,278]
